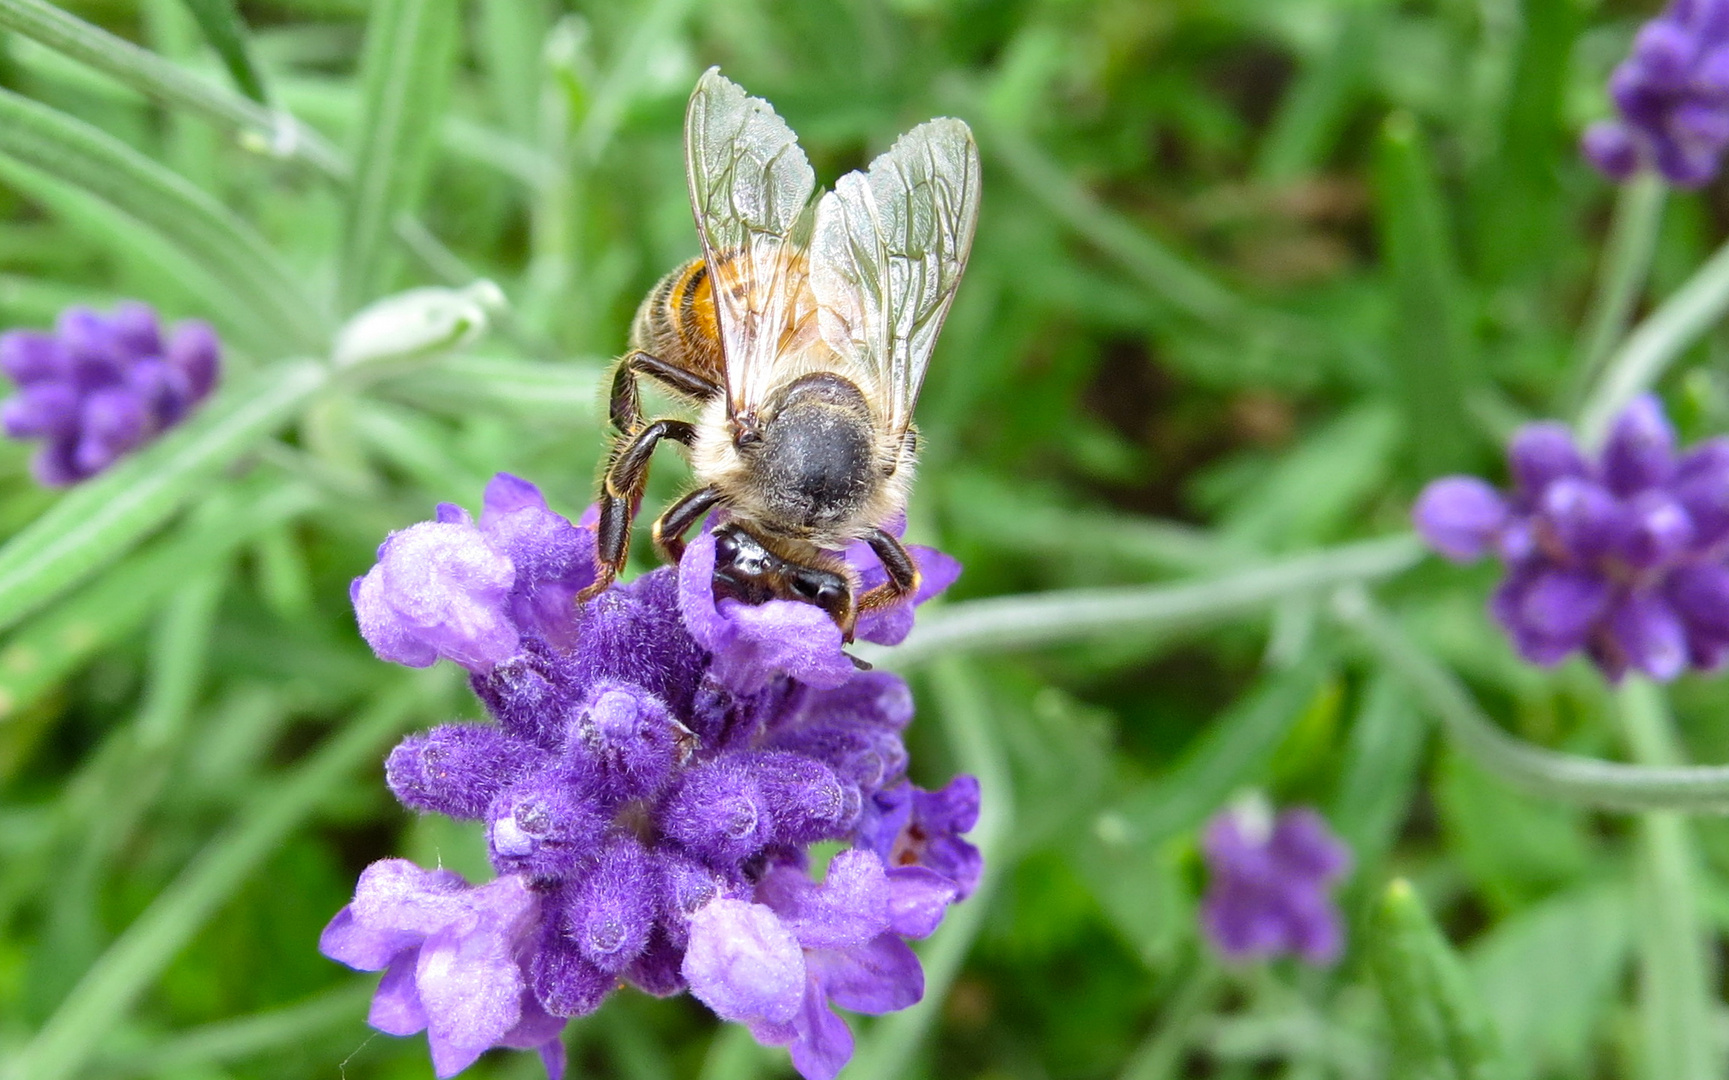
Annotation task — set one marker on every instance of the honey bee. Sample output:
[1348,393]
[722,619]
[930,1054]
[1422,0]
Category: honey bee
[800,337]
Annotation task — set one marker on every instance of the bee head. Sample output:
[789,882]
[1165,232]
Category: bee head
[814,457]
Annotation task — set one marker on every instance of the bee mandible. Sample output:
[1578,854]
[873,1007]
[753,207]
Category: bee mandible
[801,338]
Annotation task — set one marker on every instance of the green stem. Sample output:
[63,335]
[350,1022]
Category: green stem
[1655,343]
[887,1051]
[1676,1003]
[1620,279]
[110,987]
[1547,773]
[1023,622]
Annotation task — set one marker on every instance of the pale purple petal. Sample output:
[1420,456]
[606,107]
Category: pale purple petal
[744,963]
[396,1007]
[880,976]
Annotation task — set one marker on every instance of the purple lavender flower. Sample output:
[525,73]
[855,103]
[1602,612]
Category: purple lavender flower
[452,957]
[102,386]
[659,765]
[1672,97]
[1270,882]
[776,964]
[1626,558]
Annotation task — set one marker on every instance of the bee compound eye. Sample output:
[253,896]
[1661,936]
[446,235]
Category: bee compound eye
[725,547]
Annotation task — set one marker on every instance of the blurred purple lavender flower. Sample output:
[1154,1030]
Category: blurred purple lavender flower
[1672,97]
[1626,558]
[660,760]
[101,386]
[1269,892]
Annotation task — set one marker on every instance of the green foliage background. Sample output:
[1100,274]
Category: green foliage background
[1248,273]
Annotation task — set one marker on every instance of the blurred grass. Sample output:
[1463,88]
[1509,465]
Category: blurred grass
[1246,276]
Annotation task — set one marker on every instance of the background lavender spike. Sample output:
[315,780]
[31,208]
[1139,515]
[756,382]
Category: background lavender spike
[1671,97]
[100,386]
[1269,884]
[1623,559]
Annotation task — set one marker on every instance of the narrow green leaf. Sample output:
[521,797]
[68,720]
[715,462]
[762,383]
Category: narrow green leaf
[245,1036]
[1655,343]
[111,986]
[1440,1031]
[102,518]
[165,81]
[1430,345]
[1315,109]
[48,648]
[1379,770]
[86,157]
[226,32]
[1024,622]
[407,68]
[1620,278]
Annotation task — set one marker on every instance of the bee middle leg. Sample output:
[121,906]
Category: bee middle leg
[621,491]
[624,401]
[903,572]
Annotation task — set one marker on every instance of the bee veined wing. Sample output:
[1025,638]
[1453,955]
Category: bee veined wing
[749,188]
[887,252]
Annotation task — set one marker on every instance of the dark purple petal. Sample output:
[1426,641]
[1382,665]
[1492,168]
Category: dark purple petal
[1649,634]
[1542,453]
[455,769]
[1609,147]
[823,1044]
[112,422]
[881,976]
[1700,595]
[1583,519]
[136,328]
[891,625]
[544,826]
[1460,517]
[1640,450]
[365,948]
[564,981]
[1659,530]
[27,356]
[396,1007]
[918,900]
[632,738]
[612,912]
[41,410]
[718,813]
[196,351]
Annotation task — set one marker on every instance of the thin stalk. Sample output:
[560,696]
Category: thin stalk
[1024,622]
[1620,279]
[1546,773]
[271,130]
[1160,1055]
[1676,1002]
[1655,343]
[110,987]
[888,1050]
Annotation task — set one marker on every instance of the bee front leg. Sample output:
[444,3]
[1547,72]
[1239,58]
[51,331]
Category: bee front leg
[621,491]
[679,517]
[903,572]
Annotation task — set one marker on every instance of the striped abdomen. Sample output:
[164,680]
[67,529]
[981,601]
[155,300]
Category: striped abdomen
[676,323]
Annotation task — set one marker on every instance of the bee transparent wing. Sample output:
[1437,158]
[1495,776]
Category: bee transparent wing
[886,254]
[750,186]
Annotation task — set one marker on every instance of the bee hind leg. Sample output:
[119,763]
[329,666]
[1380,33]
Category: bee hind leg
[677,519]
[621,492]
[903,572]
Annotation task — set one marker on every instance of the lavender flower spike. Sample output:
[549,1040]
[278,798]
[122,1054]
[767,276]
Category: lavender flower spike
[1270,878]
[1671,97]
[1625,558]
[101,386]
[659,763]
